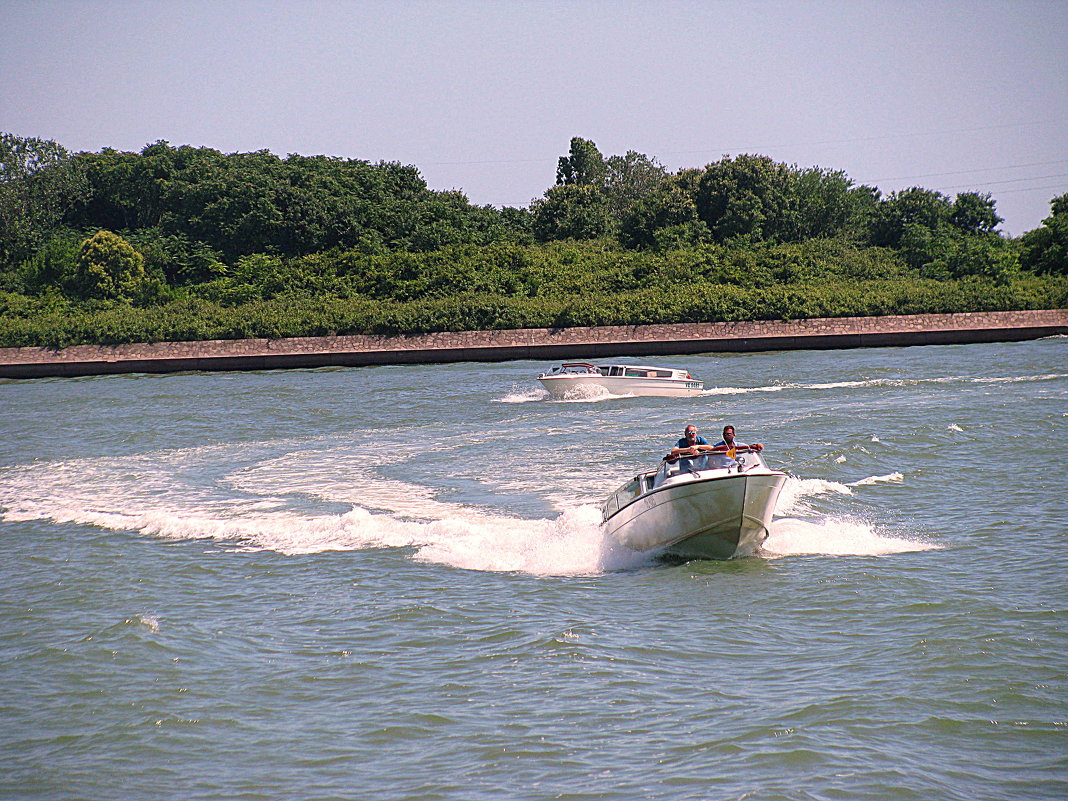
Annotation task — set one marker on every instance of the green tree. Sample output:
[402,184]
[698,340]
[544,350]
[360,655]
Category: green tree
[667,217]
[572,212]
[974,213]
[38,184]
[53,264]
[108,267]
[1045,249]
[583,166]
[910,207]
[819,204]
[743,198]
[629,179]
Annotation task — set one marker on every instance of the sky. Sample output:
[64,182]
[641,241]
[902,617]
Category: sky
[484,97]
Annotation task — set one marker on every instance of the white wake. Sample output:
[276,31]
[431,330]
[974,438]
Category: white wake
[257,506]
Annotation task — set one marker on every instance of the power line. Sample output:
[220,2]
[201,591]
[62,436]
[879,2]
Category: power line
[1006,181]
[749,148]
[880,137]
[1032,189]
[965,172]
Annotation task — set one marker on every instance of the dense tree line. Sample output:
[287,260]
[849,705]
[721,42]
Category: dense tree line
[250,243]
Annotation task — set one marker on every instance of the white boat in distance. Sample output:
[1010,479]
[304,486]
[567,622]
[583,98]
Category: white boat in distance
[574,380]
[704,507]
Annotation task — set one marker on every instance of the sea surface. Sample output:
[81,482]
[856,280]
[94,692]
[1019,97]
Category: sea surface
[391,583]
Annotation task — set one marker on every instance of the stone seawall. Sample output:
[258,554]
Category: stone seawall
[533,343]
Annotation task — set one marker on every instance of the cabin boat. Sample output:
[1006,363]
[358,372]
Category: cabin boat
[714,506]
[576,380]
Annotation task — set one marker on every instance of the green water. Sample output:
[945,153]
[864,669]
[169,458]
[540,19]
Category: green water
[390,583]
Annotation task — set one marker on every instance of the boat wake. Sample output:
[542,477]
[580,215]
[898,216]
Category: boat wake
[253,508]
[884,382]
[835,537]
[252,502]
[579,394]
[799,529]
[524,395]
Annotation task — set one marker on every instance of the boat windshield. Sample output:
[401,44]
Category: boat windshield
[643,482]
[709,462]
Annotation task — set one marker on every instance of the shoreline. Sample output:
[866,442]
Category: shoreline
[533,343]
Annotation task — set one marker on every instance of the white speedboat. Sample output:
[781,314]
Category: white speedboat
[704,507]
[572,380]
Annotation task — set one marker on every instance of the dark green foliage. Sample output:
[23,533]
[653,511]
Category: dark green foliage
[192,243]
[582,166]
[510,286]
[974,214]
[240,203]
[572,211]
[1045,250]
[38,185]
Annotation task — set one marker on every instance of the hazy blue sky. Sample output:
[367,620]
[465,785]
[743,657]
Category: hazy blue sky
[485,96]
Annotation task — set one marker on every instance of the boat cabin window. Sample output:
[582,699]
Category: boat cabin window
[615,371]
[634,372]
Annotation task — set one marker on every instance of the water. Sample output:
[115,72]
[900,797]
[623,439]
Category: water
[390,583]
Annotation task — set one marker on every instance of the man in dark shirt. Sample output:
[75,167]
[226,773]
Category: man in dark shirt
[728,447]
[691,445]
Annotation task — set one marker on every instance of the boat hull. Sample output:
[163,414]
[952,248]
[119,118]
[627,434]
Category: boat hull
[711,514]
[567,387]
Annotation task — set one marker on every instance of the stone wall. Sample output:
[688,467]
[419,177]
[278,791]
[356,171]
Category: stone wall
[533,343]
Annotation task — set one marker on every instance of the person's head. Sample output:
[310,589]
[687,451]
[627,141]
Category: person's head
[690,433]
[728,433]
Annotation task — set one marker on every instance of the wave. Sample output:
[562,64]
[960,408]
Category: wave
[272,502]
[835,537]
[1019,379]
[894,478]
[521,395]
[883,382]
[147,495]
[796,490]
[594,394]
[579,394]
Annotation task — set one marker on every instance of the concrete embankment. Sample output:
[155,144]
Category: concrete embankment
[533,343]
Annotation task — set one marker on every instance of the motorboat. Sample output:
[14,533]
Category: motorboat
[717,505]
[576,380]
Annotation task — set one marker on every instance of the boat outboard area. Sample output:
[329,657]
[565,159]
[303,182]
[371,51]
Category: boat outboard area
[578,380]
[717,505]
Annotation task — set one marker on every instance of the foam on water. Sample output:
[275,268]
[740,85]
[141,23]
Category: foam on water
[593,393]
[150,622]
[580,394]
[572,544]
[835,537]
[257,506]
[524,395]
[589,394]
[792,499]
[118,495]
[883,382]
[893,478]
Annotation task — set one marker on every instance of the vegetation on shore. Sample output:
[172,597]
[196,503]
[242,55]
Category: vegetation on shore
[189,243]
